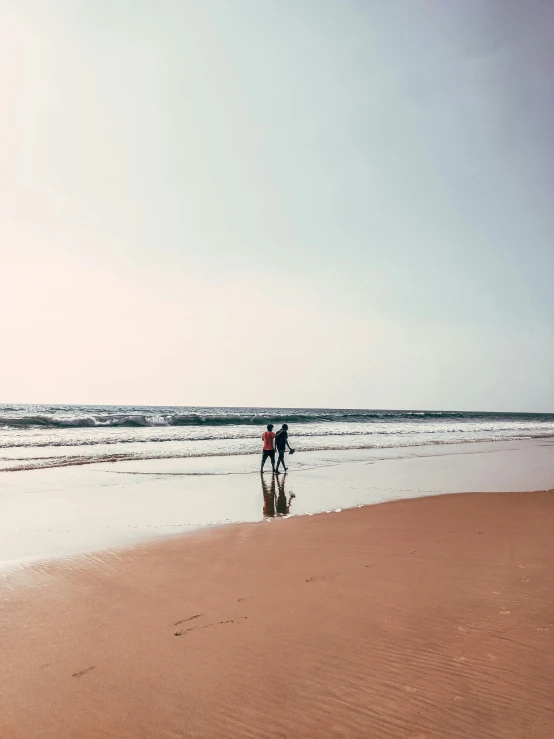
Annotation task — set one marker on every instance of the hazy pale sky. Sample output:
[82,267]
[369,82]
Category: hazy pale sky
[293,202]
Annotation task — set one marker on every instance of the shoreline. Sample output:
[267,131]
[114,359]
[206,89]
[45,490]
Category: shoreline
[65,511]
[119,458]
[428,617]
[9,569]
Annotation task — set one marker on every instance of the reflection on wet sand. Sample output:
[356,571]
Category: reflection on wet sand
[268,491]
[275,497]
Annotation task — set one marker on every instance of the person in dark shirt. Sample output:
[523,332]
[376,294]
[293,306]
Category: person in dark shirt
[281,444]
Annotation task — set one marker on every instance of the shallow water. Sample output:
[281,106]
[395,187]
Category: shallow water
[62,511]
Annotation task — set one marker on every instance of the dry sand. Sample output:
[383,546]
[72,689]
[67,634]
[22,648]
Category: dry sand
[420,618]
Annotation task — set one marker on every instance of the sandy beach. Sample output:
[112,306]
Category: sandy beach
[315,236]
[415,619]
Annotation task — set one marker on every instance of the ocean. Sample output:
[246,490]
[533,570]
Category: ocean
[44,436]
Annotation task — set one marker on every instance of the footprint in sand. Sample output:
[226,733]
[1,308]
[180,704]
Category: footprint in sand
[543,628]
[504,613]
[417,736]
[317,578]
[463,629]
[410,689]
[209,626]
[458,699]
[524,579]
[521,567]
[190,618]
[460,659]
[492,656]
[83,672]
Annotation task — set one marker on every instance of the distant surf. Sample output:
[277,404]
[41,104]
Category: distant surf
[102,416]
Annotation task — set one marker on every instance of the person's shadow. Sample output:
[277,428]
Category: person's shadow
[275,500]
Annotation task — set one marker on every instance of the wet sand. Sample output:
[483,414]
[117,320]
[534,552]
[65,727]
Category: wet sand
[72,510]
[419,618]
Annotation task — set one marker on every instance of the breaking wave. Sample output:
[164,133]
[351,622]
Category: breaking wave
[253,417]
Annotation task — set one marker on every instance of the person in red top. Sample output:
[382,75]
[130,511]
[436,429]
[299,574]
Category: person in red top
[269,446]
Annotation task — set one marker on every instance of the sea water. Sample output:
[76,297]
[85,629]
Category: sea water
[42,436]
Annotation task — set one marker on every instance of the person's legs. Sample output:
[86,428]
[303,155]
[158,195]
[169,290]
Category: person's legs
[281,453]
[265,455]
[272,457]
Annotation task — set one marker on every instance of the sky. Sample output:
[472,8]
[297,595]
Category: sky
[315,203]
